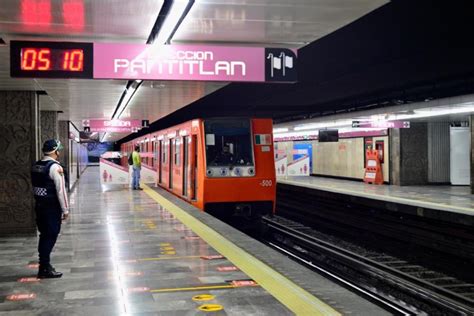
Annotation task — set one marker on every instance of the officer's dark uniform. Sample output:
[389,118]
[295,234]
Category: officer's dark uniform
[48,215]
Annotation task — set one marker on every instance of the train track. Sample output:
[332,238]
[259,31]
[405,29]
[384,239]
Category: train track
[400,286]
[385,227]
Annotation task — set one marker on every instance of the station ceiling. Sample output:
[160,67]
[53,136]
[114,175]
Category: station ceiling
[279,23]
[402,52]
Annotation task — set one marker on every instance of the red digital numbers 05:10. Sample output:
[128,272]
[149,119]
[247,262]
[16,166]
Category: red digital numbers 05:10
[47,59]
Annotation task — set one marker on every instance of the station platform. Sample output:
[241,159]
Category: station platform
[147,252]
[452,203]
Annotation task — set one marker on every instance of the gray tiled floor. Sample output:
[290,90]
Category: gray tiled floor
[117,247]
[457,199]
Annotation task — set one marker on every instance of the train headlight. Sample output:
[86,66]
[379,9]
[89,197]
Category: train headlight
[251,171]
[237,172]
[209,172]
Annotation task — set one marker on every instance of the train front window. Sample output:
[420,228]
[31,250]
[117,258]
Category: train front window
[228,142]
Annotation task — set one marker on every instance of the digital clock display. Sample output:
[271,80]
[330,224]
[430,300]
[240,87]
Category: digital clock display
[47,59]
[51,59]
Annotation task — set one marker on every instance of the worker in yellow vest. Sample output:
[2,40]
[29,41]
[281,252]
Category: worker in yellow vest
[137,166]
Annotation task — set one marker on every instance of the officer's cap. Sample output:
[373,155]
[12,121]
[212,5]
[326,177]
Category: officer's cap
[52,145]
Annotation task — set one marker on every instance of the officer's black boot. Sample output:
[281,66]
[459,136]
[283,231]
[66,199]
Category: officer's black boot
[48,272]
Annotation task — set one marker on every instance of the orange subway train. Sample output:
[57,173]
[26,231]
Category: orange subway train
[224,166]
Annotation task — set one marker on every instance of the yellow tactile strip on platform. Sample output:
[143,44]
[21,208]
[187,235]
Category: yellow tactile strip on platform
[284,290]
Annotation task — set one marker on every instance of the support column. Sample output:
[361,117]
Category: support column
[409,155]
[63,129]
[49,125]
[471,123]
[394,142]
[19,149]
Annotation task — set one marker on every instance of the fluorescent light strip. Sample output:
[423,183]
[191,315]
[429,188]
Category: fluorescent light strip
[176,14]
[420,113]
[323,125]
[431,113]
[280,130]
[316,132]
[123,104]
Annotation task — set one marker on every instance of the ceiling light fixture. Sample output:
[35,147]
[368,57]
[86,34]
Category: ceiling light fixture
[340,123]
[315,132]
[129,92]
[424,113]
[280,130]
[174,12]
[309,128]
[178,11]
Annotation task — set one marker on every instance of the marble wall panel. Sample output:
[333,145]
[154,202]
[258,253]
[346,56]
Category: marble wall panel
[18,145]
[414,154]
[438,152]
[471,123]
[63,129]
[409,155]
[49,125]
[394,135]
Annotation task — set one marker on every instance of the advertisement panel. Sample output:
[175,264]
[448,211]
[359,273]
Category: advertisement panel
[299,167]
[281,166]
[303,149]
[111,173]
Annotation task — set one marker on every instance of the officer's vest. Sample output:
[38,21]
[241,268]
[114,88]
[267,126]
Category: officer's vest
[43,186]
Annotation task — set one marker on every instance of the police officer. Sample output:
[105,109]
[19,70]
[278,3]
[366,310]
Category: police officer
[51,204]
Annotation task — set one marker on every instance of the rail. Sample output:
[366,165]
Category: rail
[399,285]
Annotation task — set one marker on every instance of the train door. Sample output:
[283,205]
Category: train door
[193,167]
[160,160]
[185,164]
[171,156]
[147,151]
[154,153]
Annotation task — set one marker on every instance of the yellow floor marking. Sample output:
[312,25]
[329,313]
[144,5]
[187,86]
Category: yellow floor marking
[167,248]
[168,258]
[168,252]
[210,307]
[203,297]
[194,288]
[149,223]
[287,292]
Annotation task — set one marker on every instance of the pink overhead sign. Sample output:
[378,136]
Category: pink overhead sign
[113,126]
[191,62]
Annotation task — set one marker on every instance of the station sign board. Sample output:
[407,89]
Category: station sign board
[152,62]
[112,126]
[380,124]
